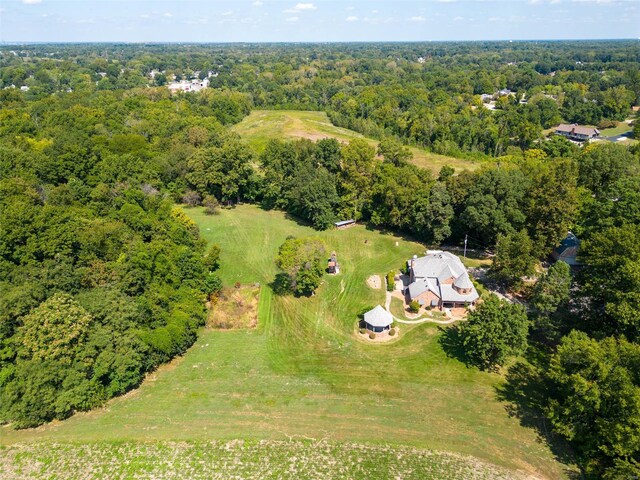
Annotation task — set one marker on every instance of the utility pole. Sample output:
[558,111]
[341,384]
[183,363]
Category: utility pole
[465,246]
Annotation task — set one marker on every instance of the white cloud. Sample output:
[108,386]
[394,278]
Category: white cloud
[458,19]
[168,15]
[257,3]
[227,13]
[352,18]
[31,2]
[301,7]
[292,19]
[144,15]
[350,9]
[418,18]
[305,6]
[374,11]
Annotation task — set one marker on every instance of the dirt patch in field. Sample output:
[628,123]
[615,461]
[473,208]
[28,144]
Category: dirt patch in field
[235,308]
[374,282]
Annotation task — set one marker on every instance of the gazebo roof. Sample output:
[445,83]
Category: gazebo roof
[378,317]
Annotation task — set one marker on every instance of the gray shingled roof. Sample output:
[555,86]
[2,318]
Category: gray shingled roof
[449,294]
[435,268]
[463,281]
[433,264]
[577,129]
[378,317]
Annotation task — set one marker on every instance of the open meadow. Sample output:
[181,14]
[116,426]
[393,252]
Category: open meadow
[301,378]
[260,126]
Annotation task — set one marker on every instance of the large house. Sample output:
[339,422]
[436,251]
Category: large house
[439,280]
[576,132]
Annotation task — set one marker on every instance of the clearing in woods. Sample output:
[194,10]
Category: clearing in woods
[260,126]
[301,375]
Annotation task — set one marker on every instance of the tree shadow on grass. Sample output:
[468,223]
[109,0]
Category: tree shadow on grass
[525,393]
[281,285]
[450,340]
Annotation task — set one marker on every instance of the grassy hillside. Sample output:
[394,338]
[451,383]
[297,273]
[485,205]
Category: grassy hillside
[302,374]
[262,125]
[295,459]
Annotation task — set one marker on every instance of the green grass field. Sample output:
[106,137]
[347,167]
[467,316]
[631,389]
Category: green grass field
[303,375]
[621,128]
[263,125]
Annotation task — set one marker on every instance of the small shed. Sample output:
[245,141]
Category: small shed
[378,320]
[567,251]
[345,223]
[332,264]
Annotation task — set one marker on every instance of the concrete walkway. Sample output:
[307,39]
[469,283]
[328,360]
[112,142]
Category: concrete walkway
[387,306]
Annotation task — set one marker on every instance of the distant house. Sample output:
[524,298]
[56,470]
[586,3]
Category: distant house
[576,132]
[345,223]
[378,320]
[567,251]
[194,85]
[440,280]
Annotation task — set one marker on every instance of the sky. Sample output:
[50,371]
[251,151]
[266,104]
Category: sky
[314,21]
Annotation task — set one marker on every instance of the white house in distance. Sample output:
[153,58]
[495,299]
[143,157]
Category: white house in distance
[194,85]
[440,280]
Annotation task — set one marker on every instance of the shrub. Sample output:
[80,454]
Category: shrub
[191,198]
[363,331]
[414,307]
[211,205]
[391,280]
[392,332]
[237,285]
[372,336]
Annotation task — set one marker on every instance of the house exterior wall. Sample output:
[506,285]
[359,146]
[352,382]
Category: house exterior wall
[426,297]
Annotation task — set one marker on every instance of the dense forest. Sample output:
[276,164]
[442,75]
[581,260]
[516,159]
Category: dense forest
[102,277]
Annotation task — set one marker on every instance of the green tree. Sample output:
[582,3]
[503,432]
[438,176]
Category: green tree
[303,261]
[594,400]
[212,257]
[393,151]
[514,258]
[610,280]
[55,330]
[552,289]
[493,331]
[358,166]
[601,165]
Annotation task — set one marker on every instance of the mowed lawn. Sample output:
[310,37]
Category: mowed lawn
[263,125]
[303,375]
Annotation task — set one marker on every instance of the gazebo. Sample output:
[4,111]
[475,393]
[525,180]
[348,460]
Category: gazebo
[378,320]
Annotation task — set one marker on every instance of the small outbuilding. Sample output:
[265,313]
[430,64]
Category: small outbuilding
[378,320]
[333,266]
[568,249]
[345,223]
